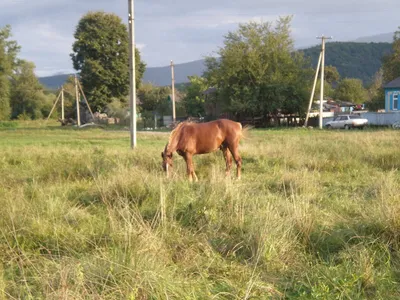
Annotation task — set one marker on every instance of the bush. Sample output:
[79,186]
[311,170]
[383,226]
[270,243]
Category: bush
[8,124]
[117,109]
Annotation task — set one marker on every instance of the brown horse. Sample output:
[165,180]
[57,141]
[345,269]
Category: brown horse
[188,139]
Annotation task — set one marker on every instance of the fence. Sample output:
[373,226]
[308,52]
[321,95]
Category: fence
[382,119]
[374,118]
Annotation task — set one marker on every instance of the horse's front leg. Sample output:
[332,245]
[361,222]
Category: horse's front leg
[195,176]
[189,167]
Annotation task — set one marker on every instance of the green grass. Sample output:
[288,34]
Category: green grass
[315,216]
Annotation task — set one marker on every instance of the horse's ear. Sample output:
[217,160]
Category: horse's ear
[162,156]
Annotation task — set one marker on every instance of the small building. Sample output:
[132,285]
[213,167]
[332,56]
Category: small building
[392,91]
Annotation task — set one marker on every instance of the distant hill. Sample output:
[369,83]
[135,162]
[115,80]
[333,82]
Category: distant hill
[378,38]
[54,82]
[355,60]
[160,76]
[352,59]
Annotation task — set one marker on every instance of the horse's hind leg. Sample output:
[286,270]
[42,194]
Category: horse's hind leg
[228,160]
[235,152]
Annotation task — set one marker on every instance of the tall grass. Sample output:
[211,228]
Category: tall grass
[315,216]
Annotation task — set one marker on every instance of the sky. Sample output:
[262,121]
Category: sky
[185,30]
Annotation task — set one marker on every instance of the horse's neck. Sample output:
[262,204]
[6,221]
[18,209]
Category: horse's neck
[172,145]
[174,139]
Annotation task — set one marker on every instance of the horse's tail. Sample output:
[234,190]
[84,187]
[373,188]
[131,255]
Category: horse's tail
[245,131]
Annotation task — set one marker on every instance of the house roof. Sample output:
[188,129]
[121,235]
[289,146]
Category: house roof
[336,103]
[393,84]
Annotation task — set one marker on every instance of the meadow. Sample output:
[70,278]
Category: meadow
[316,215]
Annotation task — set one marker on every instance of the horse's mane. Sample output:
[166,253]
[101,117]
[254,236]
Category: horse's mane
[174,133]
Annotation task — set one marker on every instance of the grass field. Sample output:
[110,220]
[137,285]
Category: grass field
[315,216]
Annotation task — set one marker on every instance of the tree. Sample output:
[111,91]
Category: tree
[351,89]
[328,89]
[331,74]
[101,54]
[258,70]
[8,60]
[377,101]
[154,99]
[376,85]
[376,93]
[4,93]
[194,99]
[27,94]
[391,62]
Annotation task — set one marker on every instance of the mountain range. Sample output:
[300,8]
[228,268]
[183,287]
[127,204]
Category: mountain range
[360,58]
[377,38]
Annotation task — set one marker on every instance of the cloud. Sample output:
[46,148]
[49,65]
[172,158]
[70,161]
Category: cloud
[185,30]
[140,46]
[47,47]
[216,18]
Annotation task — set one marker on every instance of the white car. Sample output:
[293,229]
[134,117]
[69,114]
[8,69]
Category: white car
[347,122]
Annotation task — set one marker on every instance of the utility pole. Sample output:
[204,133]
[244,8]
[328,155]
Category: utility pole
[313,90]
[54,105]
[62,102]
[84,97]
[78,113]
[321,100]
[173,92]
[132,77]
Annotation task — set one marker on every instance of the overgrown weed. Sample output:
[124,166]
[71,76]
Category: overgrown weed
[316,215]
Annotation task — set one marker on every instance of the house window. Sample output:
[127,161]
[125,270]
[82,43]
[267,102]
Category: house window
[395,101]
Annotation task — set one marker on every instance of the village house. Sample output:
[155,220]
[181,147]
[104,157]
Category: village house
[392,91]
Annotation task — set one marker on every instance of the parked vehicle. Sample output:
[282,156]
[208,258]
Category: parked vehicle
[347,122]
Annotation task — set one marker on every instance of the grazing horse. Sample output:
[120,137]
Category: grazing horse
[188,139]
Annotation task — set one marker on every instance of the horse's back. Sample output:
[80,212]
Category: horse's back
[222,127]
[207,137]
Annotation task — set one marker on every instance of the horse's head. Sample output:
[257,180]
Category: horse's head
[167,160]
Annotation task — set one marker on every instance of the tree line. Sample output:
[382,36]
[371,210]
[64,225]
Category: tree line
[257,73]
[21,94]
